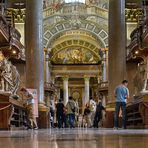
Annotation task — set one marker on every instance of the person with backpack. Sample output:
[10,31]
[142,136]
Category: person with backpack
[71,108]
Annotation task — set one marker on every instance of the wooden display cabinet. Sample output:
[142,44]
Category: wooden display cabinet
[137,114]
[13,115]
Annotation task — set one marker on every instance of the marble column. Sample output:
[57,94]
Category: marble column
[104,68]
[117,45]
[65,89]
[86,90]
[34,48]
[47,66]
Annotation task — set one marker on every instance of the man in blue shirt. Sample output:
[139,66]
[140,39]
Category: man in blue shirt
[121,94]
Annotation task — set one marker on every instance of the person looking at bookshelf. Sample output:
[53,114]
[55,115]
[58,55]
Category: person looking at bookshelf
[29,104]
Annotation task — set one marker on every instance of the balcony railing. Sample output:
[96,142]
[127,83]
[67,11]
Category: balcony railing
[81,9]
[48,86]
[10,39]
[139,40]
[103,86]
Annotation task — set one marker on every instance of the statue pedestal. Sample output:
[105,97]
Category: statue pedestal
[109,119]
[43,120]
[145,97]
[109,116]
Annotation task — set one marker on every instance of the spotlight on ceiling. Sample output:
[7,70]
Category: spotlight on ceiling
[14,51]
[136,52]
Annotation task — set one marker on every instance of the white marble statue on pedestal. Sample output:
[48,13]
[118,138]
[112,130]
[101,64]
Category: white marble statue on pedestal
[9,77]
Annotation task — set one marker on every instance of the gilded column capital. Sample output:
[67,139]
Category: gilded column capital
[86,78]
[65,78]
[47,51]
[47,54]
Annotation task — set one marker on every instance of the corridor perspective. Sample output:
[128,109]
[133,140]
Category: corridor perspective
[73,73]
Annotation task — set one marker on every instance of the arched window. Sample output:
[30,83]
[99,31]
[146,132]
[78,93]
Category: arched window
[75,1]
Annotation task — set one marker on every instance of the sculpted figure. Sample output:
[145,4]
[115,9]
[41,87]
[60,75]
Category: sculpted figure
[9,77]
[6,76]
[145,76]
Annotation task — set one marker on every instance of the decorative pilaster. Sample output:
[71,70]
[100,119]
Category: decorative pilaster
[86,90]
[65,89]
[47,66]
[104,66]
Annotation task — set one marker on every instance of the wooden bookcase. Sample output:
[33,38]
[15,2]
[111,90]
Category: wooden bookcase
[18,118]
[137,114]
[13,115]
[134,117]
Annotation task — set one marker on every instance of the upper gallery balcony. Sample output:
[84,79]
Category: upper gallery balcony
[139,41]
[49,87]
[9,37]
[74,8]
[138,47]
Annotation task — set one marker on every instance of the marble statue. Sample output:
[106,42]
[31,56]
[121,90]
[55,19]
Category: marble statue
[9,77]
[6,76]
[141,78]
[145,87]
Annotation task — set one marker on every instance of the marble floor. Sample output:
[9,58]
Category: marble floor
[74,138]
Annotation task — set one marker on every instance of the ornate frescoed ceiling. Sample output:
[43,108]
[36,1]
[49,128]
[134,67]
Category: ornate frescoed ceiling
[85,42]
[74,28]
[76,38]
[75,47]
[75,32]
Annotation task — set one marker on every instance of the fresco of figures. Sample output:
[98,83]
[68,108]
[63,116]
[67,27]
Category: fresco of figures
[75,56]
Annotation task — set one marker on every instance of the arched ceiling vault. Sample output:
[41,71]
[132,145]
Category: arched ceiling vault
[75,43]
[52,33]
[76,35]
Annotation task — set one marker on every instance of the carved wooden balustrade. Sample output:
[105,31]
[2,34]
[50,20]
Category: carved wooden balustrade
[139,41]
[9,37]
[137,113]
[103,86]
[68,9]
[48,86]
[4,31]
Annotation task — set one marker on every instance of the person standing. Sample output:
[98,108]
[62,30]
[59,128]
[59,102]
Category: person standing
[29,104]
[52,111]
[87,117]
[92,106]
[60,113]
[98,115]
[71,107]
[121,94]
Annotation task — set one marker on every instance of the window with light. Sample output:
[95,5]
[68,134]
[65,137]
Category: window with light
[74,1]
